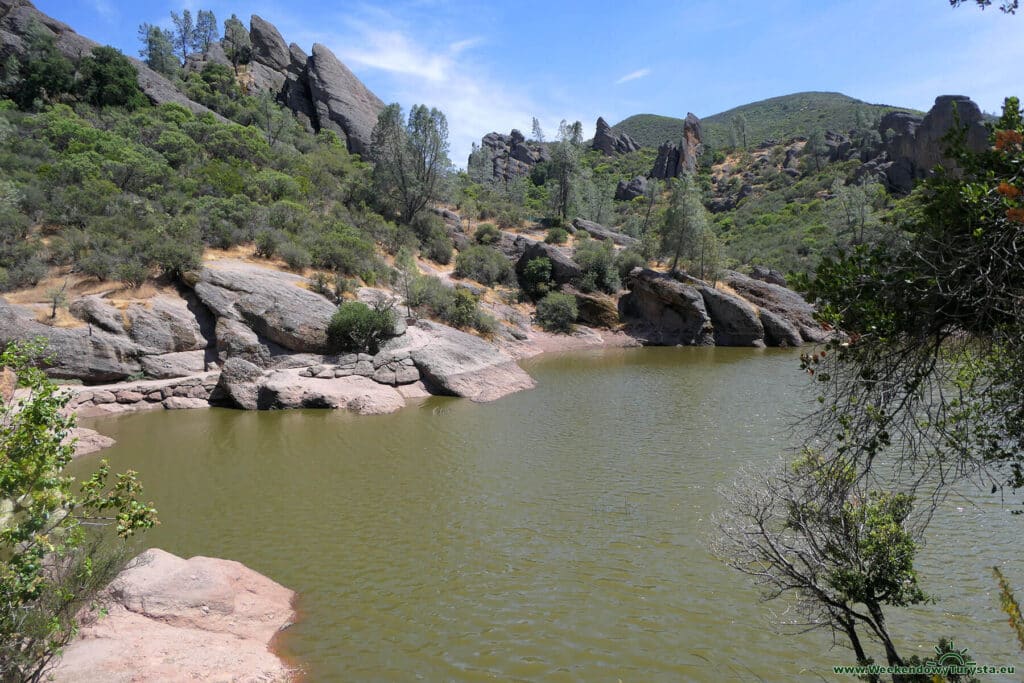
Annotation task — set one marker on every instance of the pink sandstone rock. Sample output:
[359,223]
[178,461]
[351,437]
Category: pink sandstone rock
[171,619]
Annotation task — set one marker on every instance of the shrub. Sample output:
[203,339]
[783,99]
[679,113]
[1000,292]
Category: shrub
[556,312]
[53,559]
[483,264]
[438,248]
[557,236]
[322,285]
[132,273]
[458,307]
[536,276]
[627,260]
[297,257]
[597,261]
[108,79]
[487,233]
[358,328]
[268,242]
[426,223]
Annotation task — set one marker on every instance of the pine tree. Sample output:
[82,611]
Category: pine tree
[206,31]
[237,45]
[158,49]
[184,33]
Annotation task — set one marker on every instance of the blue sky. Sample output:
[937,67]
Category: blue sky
[494,65]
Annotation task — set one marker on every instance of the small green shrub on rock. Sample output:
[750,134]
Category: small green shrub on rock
[487,233]
[556,312]
[557,236]
[537,276]
[484,264]
[356,327]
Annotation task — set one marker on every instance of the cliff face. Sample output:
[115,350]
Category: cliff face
[319,89]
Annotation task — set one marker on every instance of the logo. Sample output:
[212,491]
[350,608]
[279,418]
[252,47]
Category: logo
[950,656]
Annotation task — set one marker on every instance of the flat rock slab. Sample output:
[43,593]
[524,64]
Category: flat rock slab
[171,619]
[88,441]
[458,364]
[289,389]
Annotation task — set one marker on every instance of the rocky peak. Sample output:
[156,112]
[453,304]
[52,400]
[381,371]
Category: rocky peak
[321,91]
[268,47]
[911,147]
[341,102]
[611,142]
[510,156]
[675,160]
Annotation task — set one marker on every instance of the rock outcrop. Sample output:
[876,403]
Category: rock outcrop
[673,160]
[594,309]
[628,190]
[161,337]
[611,142]
[662,311]
[165,618]
[508,157]
[912,147]
[459,364]
[274,305]
[319,89]
[341,102]
[17,17]
[563,269]
[790,318]
[667,310]
[600,232]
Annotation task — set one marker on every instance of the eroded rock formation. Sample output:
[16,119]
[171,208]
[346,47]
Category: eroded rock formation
[912,147]
[673,160]
[611,142]
[508,157]
[664,309]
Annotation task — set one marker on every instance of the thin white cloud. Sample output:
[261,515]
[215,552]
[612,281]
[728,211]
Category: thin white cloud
[103,8]
[633,75]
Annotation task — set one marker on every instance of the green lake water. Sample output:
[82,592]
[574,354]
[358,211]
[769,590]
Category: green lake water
[558,534]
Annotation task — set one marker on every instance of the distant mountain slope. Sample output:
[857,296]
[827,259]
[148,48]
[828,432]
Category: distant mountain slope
[778,117]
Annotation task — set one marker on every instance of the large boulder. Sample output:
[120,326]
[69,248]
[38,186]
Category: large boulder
[291,389]
[662,311]
[563,268]
[341,101]
[595,309]
[600,232]
[735,321]
[165,325]
[455,363]
[95,310]
[629,190]
[786,305]
[275,305]
[611,142]
[238,385]
[180,364]
[165,618]
[88,354]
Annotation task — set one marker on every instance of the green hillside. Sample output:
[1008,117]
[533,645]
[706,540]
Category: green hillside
[778,117]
